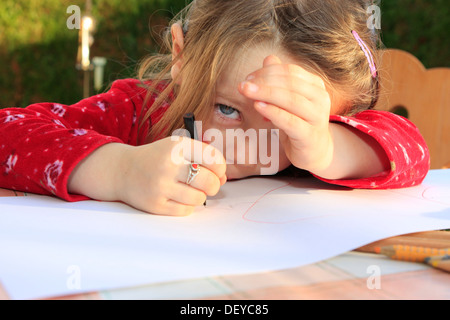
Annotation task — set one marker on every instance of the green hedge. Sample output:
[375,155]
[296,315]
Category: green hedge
[38,51]
[420,27]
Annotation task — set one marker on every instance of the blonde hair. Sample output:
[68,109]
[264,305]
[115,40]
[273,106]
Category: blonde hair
[317,33]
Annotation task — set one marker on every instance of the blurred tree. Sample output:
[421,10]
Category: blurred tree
[419,27]
[38,52]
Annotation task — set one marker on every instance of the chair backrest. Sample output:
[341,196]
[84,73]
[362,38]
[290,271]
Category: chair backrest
[421,95]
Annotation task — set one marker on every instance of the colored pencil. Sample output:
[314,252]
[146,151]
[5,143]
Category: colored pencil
[442,264]
[432,248]
[431,239]
[411,253]
[437,258]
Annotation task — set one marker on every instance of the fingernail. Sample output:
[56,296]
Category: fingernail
[261,104]
[251,87]
[250,77]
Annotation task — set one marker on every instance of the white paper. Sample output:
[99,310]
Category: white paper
[49,247]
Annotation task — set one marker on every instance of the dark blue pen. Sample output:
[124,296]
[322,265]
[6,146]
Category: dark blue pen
[189,124]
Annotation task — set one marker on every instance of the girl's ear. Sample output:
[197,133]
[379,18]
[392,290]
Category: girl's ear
[177,46]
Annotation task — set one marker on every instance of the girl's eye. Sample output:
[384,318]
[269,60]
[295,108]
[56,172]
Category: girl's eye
[227,111]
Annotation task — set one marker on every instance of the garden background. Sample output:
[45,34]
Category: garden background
[38,51]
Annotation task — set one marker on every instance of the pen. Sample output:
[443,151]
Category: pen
[189,124]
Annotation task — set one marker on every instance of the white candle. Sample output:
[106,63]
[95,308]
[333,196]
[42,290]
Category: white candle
[99,64]
[85,30]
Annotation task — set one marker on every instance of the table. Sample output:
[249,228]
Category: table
[352,275]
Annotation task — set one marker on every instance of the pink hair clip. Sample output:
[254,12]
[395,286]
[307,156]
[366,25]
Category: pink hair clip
[367,52]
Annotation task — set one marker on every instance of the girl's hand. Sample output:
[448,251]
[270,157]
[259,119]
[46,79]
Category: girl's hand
[154,177]
[297,103]
[151,177]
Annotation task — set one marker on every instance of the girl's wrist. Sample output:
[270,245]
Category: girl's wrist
[324,163]
[355,155]
[120,175]
[100,174]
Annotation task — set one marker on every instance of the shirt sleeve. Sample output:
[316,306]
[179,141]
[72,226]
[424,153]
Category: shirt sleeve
[403,144]
[43,143]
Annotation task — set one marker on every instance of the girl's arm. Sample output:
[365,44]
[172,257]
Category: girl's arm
[43,143]
[96,149]
[388,149]
[374,149]
[355,155]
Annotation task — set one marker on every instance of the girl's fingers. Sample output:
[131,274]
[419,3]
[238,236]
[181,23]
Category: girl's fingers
[273,66]
[205,181]
[176,209]
[271,60]
[294,84]
[292,102]
[289,87]
[292,125]
[183,198]
[194,151]
[186,195]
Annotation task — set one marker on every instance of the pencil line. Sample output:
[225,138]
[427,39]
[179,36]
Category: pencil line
[421,197]
[259,199]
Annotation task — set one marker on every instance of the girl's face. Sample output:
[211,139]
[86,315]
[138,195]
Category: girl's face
[247,140]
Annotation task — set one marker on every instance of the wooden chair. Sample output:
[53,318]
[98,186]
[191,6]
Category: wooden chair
[421,95]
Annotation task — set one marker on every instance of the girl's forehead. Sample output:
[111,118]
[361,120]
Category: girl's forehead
[249,60]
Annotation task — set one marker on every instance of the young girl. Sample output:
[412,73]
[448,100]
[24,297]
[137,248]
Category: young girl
[306,68]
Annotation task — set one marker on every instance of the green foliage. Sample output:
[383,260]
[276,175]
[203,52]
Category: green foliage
[38,52]
[420,27]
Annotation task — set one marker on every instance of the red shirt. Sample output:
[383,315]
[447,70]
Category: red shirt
[40,145]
